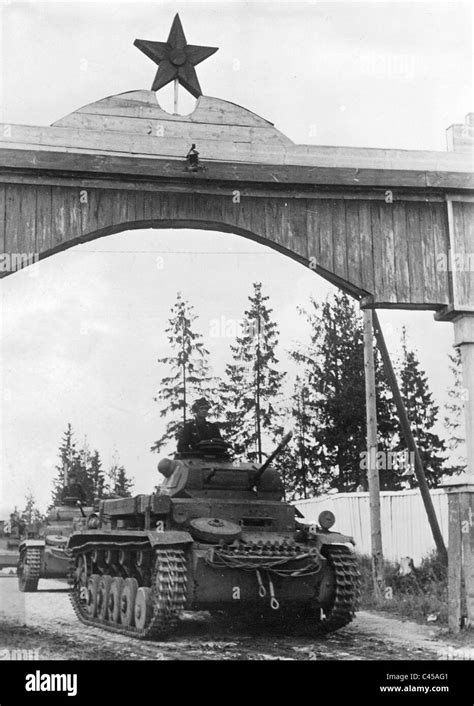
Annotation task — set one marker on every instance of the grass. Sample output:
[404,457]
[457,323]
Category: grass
[424,592]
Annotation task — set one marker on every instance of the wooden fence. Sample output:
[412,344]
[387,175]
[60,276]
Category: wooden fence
[405,528]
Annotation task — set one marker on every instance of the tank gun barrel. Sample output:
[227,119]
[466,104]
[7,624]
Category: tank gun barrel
[286,439]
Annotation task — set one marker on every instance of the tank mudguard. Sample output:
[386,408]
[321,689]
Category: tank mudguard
[334,538]
[169,537]
[32,543]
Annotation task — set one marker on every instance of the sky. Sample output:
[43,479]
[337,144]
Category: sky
[82,330]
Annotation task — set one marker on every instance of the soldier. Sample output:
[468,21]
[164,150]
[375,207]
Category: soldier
[198,429]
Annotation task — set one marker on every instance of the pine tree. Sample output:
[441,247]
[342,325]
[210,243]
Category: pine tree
[422,413]
[454,419]
[251,390]
[189,370]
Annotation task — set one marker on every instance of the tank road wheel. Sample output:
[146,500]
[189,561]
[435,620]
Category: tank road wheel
[339,590]
[92,595]
[143,608]
[29,569]
[103,597]
[127,602]
[81,571]
[114,599]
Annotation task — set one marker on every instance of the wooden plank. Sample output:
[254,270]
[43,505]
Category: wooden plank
[354,260]
[377,249]
[27,225]
[454,563]
[223,142]
[143,167]
[366,248]
[147,206]
[339,239]
[400,244]
[388,252]
[121,208]
[129,197]
[43,219]
[2,218]
[163,206]
[463,234]
[166,130]
[261,191]
[139,206]
[415,254]
[427,249]
[12,219]
[89,205]
[314,232]
[326,258]
[208,110]
[441,246]
[58,216]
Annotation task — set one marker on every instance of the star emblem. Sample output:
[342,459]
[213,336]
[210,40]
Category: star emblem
[176,59]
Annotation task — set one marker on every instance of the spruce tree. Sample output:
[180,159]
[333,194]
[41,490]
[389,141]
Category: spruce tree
[119,484]
[454,416]
[299,465]
[31,515]
[333,366]
[422,413]
[68,461]
[250,394]
[189,374]
[96,475]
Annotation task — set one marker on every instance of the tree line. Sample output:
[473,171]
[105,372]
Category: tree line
[326,407]
[79,465]
[82,466]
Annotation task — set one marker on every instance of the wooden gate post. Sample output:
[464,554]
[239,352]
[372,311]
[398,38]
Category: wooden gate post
[461,556]
[372,469]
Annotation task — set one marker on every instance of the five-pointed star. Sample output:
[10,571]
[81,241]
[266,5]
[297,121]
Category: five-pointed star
[176,59]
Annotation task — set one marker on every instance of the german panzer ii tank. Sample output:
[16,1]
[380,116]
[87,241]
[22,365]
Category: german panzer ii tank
[45,557]
[215,536]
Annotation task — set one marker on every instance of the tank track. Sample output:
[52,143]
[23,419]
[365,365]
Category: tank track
[168,585]
[347,587]
[29,569]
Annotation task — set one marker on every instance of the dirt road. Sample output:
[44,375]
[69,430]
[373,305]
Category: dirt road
[45,624]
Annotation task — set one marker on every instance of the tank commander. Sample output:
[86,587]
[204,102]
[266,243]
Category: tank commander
[198,429]
[72,493]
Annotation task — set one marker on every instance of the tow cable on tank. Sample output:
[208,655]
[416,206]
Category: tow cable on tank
[262,591]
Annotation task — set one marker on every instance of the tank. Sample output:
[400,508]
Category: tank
[217,536]
[11,532]
[45,556]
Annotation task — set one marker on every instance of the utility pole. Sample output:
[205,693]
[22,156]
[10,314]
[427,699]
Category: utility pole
[372,470]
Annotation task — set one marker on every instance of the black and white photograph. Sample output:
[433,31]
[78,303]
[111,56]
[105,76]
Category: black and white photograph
[237,347]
